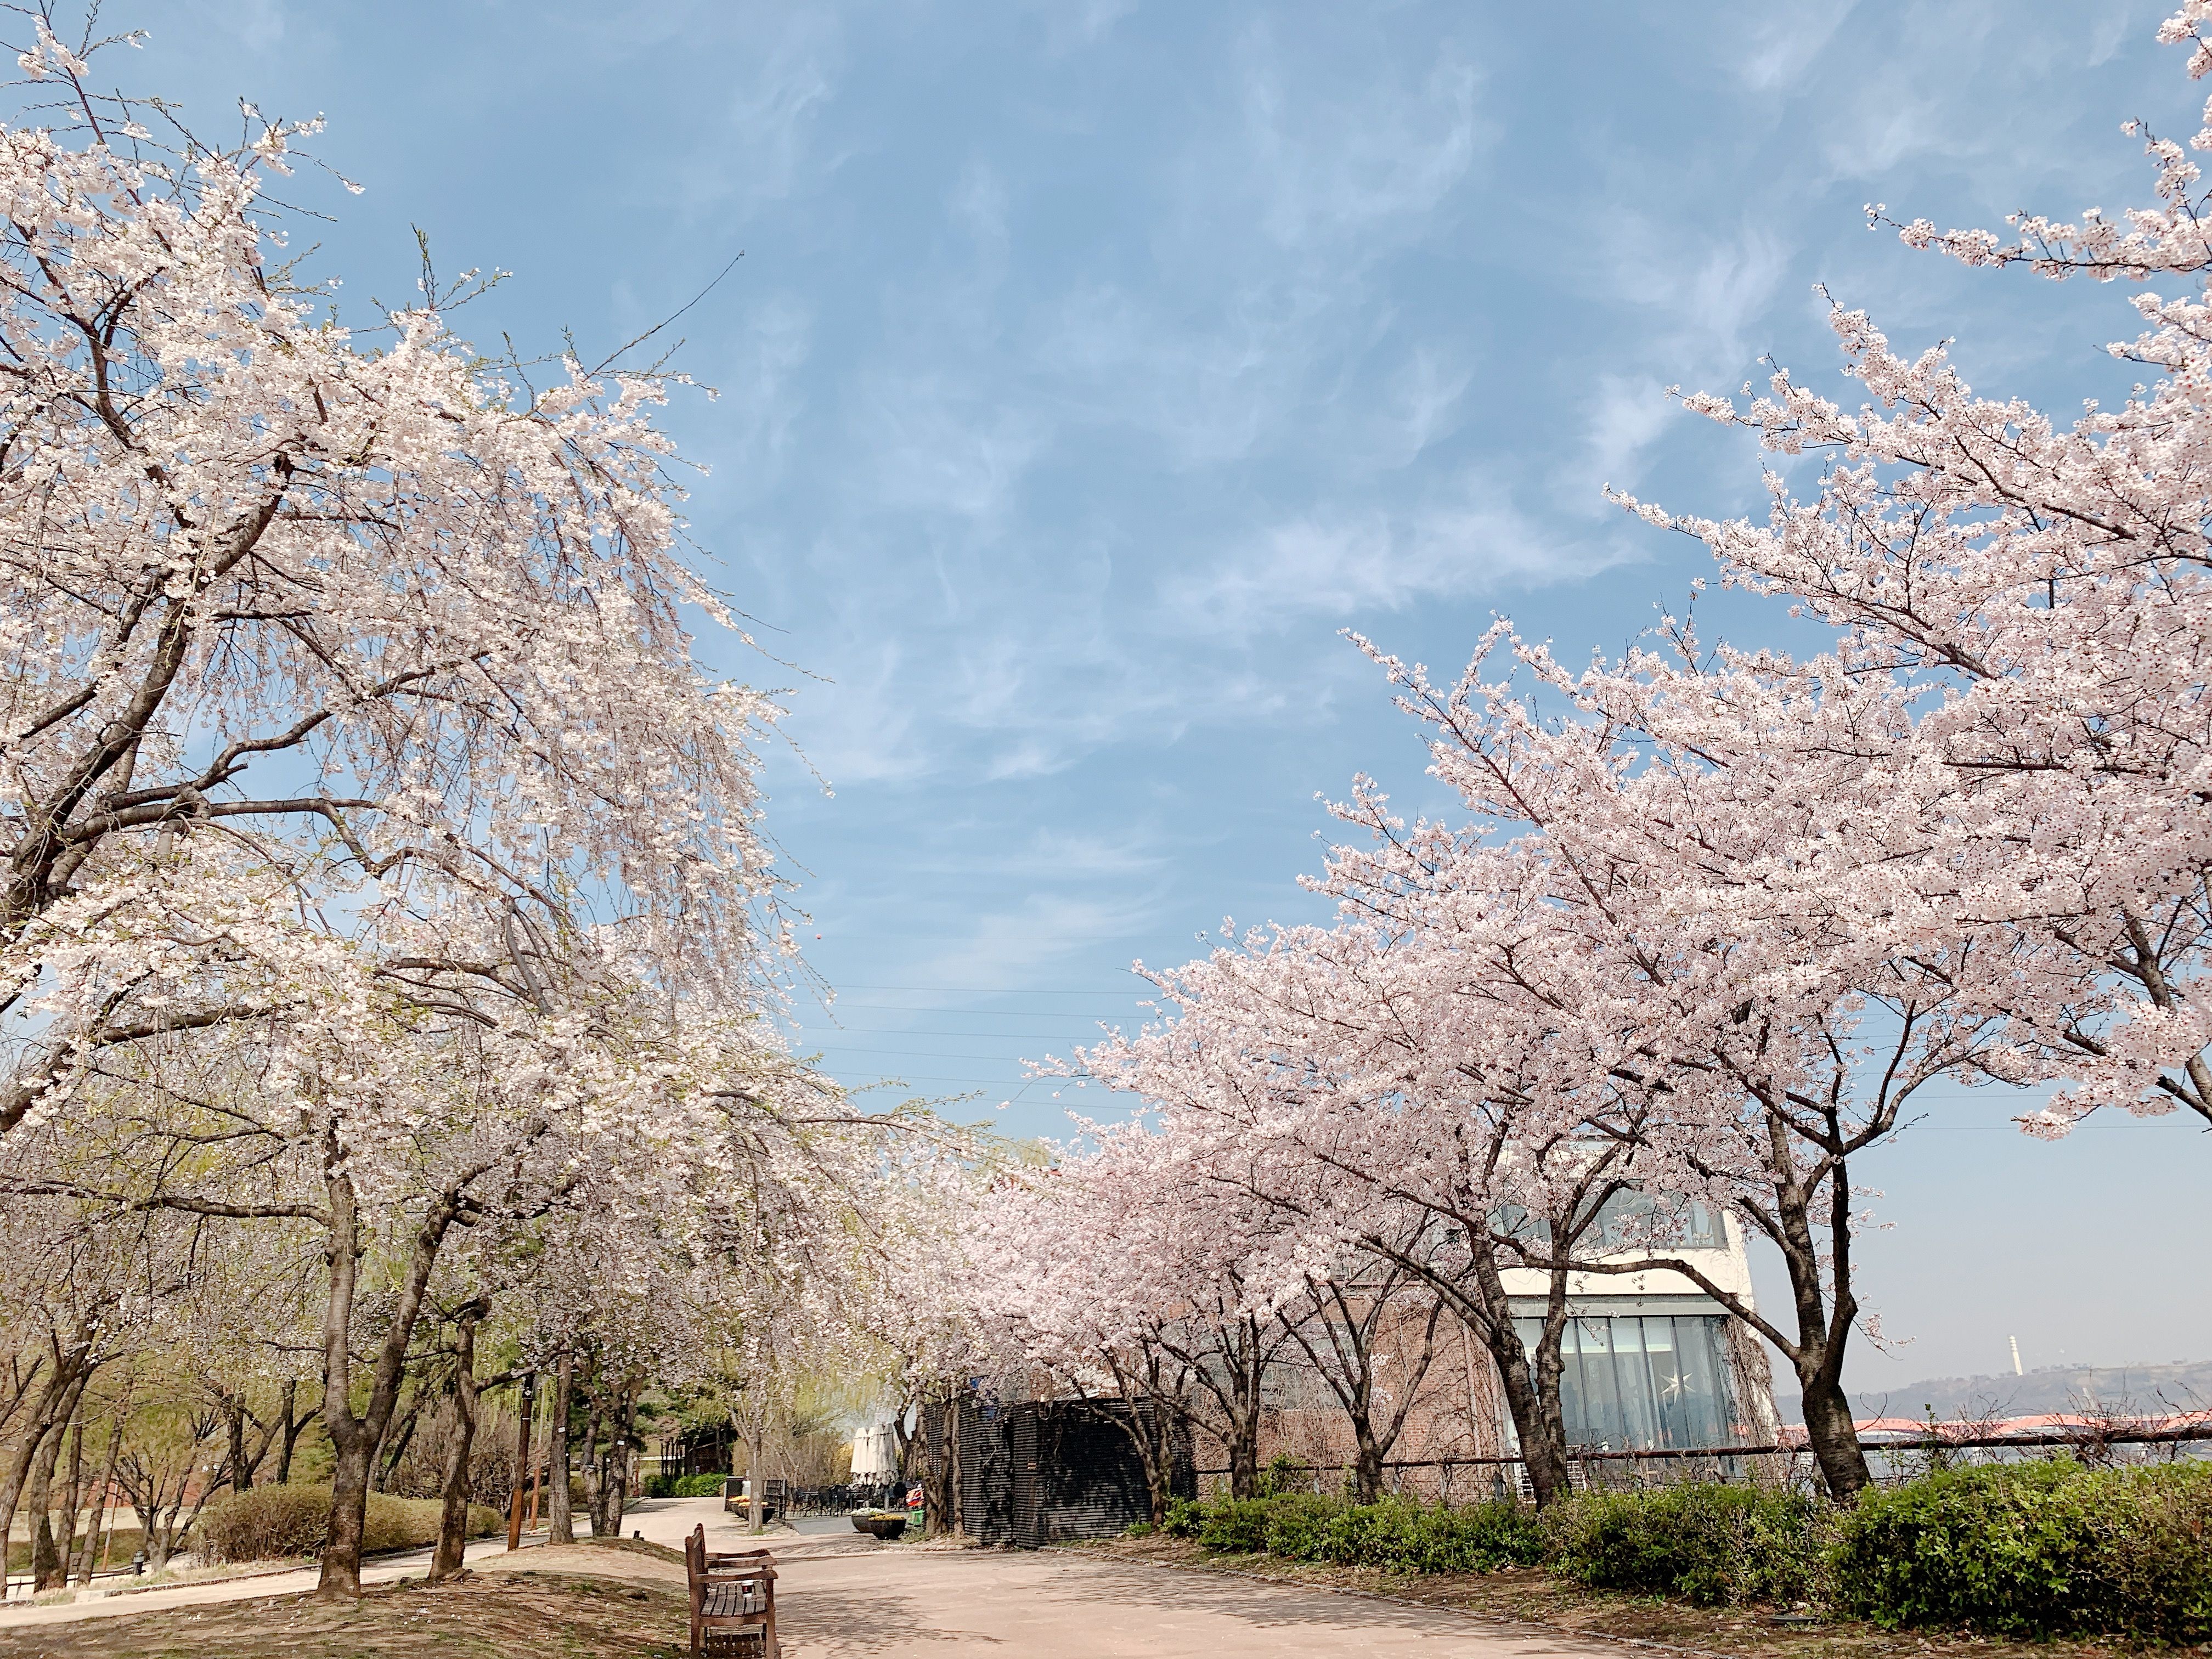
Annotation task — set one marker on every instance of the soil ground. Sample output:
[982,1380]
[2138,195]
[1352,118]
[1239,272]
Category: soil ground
[1530,1597]
[620,1599]
[1159,1598]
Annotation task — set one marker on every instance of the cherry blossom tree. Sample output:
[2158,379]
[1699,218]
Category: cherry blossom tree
[1772,1041]
[2040,585]
[292,610]
[1343,1325]
[1070,1279]
[1380,1096]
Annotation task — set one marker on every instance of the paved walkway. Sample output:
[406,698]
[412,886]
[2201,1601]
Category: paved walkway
[893,1603]
[840,1595]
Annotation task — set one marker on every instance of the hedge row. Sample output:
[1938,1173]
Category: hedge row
[1403,1537]
[268,1523]
[2017,1549]
[2024,1549]
[685,1486]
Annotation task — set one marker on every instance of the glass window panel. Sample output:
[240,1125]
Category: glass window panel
[1638,1428]
[1706,1415]
[1665,1370]
[1600,1391]
[1531,1332]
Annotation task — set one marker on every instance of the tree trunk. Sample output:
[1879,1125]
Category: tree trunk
[88,1558]
[1366,1464]
[617,1494]
[592,1460]
[937,1470]
[72,1504]
[293,1427]
[354,1437]
[1832,1435]
[47,1565]
[341,1573]
[562,1526]
[1478,1297]
[234,1417]
[1824,1308]
[160,1537]
[63,1385]
[46,1560]
[521,1480]
[454,1525]
[1244,1455]
[755,1497]
[1550,1366]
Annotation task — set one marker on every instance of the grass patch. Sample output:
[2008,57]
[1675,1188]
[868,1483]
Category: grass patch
[482,1616]
[125,1545]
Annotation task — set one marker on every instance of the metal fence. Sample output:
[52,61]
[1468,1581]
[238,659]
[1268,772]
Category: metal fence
[1892,1459]
[841,1500]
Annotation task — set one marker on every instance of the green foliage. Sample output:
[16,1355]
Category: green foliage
[1237,1526]
[1284,1475]
[271,1523]
[1707,1543]
[1405,1537]
[1393,1534]
[697,1485]
[2036,1549]
[1183,1517]
[2020,1549]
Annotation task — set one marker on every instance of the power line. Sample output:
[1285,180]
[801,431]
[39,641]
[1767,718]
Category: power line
[830,1033]
[992,1014]
[1010,990]
[834,1048]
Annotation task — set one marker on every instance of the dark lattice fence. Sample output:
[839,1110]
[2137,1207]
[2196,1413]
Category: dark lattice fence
[1029,1472]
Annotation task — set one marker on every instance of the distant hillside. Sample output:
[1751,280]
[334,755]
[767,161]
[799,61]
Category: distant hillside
[2183,1386]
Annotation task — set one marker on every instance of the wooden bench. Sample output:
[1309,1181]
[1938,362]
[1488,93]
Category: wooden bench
[732,1600]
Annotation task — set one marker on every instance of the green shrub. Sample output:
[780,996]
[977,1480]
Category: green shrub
[1707,1543]
[1299,1525]
[1237,1526]
[2036,1549]
[270,1523]
[697,1485]
[1284,1475]
[1403,1537]
[1183,1517]
[1394,1534]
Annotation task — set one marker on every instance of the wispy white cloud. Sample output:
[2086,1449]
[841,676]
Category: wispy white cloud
[764,396]
[1072,25]
[763,141]
[1423,400]
[1047,929]
[1349,564]
[1782,42]
[938,445]
[1332,164]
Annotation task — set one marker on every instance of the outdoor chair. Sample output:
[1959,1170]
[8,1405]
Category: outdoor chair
[732,1601]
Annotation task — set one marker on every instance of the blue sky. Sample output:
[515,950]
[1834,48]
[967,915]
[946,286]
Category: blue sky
[1091,366]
